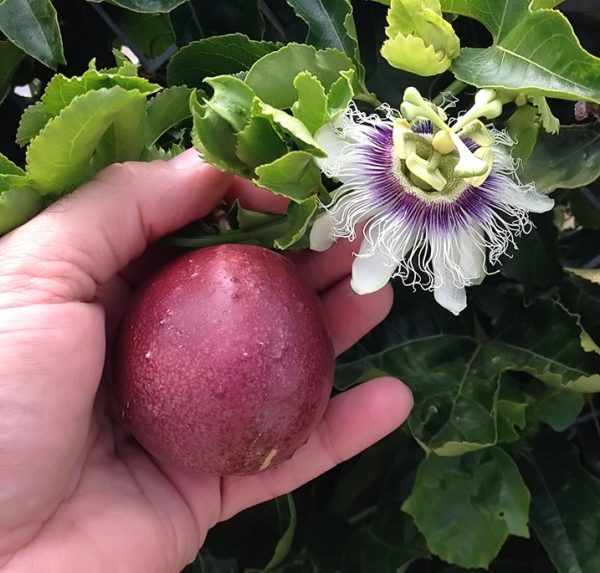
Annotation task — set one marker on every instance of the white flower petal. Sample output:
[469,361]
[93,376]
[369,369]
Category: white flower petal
[528,199]
[472,256]
[446,293]
[321,237]
[332,143]
[371,272]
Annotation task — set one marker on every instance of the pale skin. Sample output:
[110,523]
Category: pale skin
[76,492]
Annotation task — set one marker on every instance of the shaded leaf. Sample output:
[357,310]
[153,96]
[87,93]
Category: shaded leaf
[226,16]
[215,56]
[260,536]
[59,158]
[565,504]
[150,6]
[298,217]
[10,60]
[535,52]
[166,110]
[523,127]
[32,25]
[150,33]
[467,506]
[8,167]
[567,160]
[554,406]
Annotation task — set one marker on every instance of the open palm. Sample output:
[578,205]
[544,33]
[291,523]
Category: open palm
[77,494]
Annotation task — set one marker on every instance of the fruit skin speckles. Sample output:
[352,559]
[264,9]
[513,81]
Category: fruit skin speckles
[224,361]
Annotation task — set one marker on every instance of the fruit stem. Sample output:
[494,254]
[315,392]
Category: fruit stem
[272,228]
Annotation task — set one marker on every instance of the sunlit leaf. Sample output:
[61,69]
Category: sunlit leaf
[59,158]
[32,25]
[298,216]
[33,120]
[17,206]
[272,77]
[467,506]
[535,52]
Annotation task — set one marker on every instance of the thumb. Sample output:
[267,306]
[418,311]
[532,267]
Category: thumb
[87,237]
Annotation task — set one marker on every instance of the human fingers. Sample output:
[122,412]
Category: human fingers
[353,421]
[255,198]
[350,316]
[86,238]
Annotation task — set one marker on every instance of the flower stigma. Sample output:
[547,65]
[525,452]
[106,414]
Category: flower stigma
[439,198]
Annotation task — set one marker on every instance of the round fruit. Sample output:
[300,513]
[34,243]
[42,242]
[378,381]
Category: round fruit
[224,362]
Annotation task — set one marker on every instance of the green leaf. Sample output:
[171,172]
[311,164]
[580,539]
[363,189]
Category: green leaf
[534,52]
[389,545]
[295,176]
[149,6]
[554,406]
[467,506]
[541,4]
[8,167]
[259,143]
[33,120]
[523,127]
[331,25]
[61,90]
[568,160]
[166,110]
[455,375]
[549,122]
[511,407]
[17,206]
[288,126]
[10,60]
[219,55]
[32,25]
[272,77]
[232,99]
[215,139]
[564,503]
[227,16]
[151,34]
[59,158]
[260,537]
[298,216]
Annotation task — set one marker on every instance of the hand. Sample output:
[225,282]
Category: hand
[77,494]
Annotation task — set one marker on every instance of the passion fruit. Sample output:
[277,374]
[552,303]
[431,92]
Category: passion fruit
[224,363]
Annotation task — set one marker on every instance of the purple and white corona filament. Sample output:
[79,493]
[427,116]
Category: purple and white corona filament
[438,202]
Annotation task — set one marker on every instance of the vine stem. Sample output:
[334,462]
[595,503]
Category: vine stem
[276,227]
[454,89]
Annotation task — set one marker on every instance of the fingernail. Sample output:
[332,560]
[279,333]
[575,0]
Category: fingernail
[189,159]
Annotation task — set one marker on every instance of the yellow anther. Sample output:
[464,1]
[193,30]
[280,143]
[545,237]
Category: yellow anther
[442,143]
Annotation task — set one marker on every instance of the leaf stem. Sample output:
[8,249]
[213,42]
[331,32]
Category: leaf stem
[278,226]
[453,89]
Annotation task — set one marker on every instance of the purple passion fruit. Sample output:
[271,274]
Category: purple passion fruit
[224,363]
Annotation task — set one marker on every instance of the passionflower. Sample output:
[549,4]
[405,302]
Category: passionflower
[440,200]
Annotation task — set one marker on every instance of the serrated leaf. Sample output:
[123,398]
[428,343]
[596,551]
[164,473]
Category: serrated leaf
[311,106]
[232,99]
[61,90]
[260,536]
[258,143]
[289,127]
[215,139]
[215,56]
[166,110]
[59,158]
[272,77]
[549,122]
[592,275]
[534,52]
[32,25]
[8,167]
[149,6]
[295,176]
[467,506]
[331,25]
[17,206]
[455,376]
[298,217]
[565,503]
[568,160]
[33,120]
[10,60]
[541,4]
